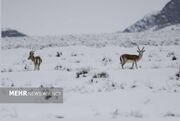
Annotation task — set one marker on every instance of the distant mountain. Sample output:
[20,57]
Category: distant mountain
[169,15]
[6,32]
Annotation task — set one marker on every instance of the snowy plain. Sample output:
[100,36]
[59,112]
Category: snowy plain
[96,88]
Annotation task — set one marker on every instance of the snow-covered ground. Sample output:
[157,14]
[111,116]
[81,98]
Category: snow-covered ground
[167,36]
[96,88]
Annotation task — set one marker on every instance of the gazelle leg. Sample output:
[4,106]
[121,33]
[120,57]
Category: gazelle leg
[136,65]
[132,65]
[38,67]
[123,65]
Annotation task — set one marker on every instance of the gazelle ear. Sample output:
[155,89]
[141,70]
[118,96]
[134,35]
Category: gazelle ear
[143,49]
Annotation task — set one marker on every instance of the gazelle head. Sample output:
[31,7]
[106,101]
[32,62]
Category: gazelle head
[140,51]
[31,55]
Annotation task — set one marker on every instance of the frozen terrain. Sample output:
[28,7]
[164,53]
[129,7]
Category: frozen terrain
[96,88]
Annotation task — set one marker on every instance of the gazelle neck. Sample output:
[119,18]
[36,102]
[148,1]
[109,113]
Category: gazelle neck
[32,58]
[140,56]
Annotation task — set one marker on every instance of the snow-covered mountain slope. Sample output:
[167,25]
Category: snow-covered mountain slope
[169,15]
[145,23]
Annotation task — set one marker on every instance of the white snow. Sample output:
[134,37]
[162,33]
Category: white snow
[106,92]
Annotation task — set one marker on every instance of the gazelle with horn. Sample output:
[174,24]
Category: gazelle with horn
[35,59]
[131,58]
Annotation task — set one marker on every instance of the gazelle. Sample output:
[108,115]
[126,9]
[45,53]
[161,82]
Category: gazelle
[35,59]
[131,58]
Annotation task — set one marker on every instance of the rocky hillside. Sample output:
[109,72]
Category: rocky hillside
[6,32]
[169,15]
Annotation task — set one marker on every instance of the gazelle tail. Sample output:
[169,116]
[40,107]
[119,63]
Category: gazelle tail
[121,60]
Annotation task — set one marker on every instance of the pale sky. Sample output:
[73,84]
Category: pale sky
[57,17]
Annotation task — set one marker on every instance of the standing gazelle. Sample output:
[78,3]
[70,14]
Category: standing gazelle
[131,58]
[35,59]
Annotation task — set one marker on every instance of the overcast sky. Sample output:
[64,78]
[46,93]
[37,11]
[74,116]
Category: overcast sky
[56,17]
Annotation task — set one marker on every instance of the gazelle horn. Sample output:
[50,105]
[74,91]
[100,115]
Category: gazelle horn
[143,48]
[32,51]
[138,47]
